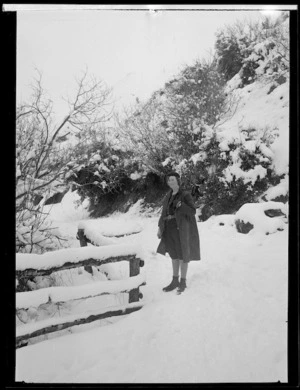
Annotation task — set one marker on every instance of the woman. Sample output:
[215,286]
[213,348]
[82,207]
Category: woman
[177,229]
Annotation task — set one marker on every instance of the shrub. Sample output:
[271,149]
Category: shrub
[34,232]
[223,180]
[230,58]
[102,169]
[194,100]
[253,49]
[248,73]
[143,132]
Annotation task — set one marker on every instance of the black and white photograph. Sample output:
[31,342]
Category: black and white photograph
[135,124]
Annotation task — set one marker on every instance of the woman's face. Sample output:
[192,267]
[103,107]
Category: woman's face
[172,182]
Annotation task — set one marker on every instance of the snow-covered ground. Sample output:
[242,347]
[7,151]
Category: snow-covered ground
[228,326]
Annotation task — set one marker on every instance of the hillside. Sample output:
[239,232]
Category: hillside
[258,123]
[262,106]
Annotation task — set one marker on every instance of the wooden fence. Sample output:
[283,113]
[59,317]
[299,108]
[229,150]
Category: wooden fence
[43,327]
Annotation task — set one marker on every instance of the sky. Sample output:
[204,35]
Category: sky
[133,52]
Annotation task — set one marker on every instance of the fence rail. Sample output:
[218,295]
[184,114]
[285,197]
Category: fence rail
[43,327]
[22,339]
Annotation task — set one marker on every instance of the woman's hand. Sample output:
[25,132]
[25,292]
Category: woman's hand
[159,233]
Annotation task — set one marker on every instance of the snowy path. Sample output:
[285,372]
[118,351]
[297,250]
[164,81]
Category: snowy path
[228,326]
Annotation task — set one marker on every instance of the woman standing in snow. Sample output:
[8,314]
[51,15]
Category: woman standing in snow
[177,229]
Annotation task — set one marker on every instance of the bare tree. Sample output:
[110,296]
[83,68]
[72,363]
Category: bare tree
[142,130]
[41,157]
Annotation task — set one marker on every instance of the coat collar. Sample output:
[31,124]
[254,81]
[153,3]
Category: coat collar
[180,191]
[169,194]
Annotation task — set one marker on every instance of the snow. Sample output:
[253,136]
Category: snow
[228,326]
[135,176]
[198,157]
[30,155]
[166,162]
[18,171]
[248,176]
[94,235]
[95,157]
[266,151]
[259,121]
[224,145]
[58,258]
[32,327]
[281,189]
[110,227]
[103,167]
[233,83]
[254,213]
[259,110]
[250,145]
[69,209]
[62,294]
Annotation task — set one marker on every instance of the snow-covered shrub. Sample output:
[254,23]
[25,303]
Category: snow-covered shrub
[179,127]
[230,58]
[279,192]
[194,100]
[173,122]
[249,171]
[35,233]
[254,49]
[270,56]
[102,169]
[247,72]
[226,174]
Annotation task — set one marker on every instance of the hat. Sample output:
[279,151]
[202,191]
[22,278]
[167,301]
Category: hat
[173,173]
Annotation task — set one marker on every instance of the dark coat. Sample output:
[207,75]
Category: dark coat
[186,222]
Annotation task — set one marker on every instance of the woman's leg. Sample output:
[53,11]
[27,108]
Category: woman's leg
[183,272]
[171,242]
[175,265]
[175,282]
[183,269]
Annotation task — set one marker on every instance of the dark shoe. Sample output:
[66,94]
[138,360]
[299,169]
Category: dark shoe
[182,286]
[172,285]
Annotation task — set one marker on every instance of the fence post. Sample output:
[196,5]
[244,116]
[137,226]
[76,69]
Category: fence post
[134,270]
[81,237]
[83,242]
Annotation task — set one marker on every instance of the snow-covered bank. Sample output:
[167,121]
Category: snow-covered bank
[260,109]
[229,325]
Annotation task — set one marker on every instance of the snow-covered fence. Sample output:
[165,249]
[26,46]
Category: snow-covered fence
[101,233]
[32,265]
[101,240]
